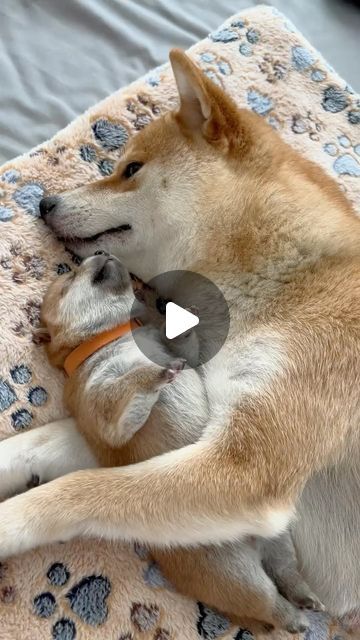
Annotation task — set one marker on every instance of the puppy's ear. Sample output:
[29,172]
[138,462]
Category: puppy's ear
[41,335]
[204,107]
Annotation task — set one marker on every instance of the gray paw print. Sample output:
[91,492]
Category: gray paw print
[87,600]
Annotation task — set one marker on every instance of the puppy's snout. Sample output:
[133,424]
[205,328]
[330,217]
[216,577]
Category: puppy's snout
[48,205]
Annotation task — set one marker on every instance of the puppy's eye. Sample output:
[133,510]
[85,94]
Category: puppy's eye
[131,169]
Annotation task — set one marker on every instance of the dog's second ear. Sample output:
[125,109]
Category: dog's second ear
[204,107]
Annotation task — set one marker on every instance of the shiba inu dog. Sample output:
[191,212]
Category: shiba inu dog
[127,409]
[213,189]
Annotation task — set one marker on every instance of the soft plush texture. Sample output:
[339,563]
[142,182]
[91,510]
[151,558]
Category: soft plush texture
[102,590]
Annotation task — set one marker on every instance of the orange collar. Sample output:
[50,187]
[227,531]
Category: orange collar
[89,347]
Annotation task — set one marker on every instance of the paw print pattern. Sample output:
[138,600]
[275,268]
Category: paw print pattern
[35,396]
[110,137]
[144,617]
[211,624]
[23,265]
[153,78]
[215,67]
[308,124]
[238,30]
[87,600]
[304,61]
[273,69]
[154,578]
[261,103]
[11,176]
[335,99]
[141,109]
[26,196]
[347,156]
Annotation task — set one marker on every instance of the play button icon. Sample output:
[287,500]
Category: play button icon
[178,320]
[186,316]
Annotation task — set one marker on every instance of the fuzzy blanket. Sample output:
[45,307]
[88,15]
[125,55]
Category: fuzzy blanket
[89,589]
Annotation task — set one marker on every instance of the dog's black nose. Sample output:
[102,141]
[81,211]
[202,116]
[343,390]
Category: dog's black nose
[47,205]
[101,253]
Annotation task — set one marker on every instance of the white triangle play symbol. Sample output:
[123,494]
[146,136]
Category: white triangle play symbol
[178,320]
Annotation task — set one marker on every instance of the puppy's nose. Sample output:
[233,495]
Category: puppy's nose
[101,253]
[47,205]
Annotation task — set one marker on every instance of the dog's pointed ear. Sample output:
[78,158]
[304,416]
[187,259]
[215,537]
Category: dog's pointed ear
[196,106]
[204,107]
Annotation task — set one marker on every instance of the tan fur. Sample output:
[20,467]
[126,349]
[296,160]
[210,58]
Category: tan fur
[283,242]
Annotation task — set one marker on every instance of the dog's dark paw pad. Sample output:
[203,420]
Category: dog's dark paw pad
[88,599]
[37,396]
[211,624]
[44,605]
[144,617]
[111,136]
[58,574]
[64,629]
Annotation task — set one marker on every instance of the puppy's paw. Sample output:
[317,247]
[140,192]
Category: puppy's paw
[172,371]
[310,602]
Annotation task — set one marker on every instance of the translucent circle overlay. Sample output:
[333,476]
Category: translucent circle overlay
[199,295]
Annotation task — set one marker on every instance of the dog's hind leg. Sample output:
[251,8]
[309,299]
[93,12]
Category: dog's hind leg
[40,455]
[280,563]
[231,578]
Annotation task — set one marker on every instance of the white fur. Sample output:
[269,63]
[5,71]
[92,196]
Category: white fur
[232,376]
[47,452]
